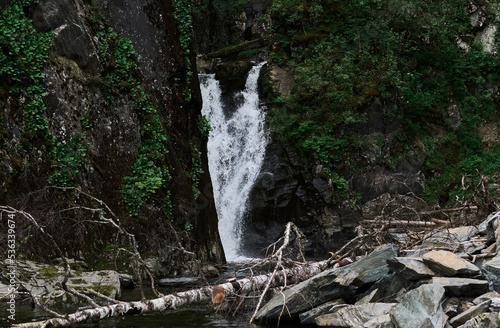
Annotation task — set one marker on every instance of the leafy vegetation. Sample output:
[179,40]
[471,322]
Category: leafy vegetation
[150,173]
[67,161]
[23,53]
[182,15]
[402,59]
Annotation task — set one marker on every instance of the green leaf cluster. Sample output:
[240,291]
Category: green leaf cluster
[403,59]
[183,17]
[150,173]
[23,53]
[67,160]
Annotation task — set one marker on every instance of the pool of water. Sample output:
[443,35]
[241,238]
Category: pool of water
[190,316]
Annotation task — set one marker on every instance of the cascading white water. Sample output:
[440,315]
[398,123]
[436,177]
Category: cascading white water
[236,147]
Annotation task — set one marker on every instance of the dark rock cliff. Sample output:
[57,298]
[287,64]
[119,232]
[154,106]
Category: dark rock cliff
[120,119]
[384,174]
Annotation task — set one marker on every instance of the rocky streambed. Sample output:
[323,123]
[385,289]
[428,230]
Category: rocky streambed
[451,280]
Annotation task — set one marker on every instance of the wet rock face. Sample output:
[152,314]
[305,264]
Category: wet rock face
[82,102]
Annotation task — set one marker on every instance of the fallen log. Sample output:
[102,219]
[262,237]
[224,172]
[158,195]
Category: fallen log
[283,277]
[402,223]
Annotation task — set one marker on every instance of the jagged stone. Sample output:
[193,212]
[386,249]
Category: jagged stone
[462,286]
[308,318]
[469,314]
[450,264]
[410,268]
[489,226]
[485,297]
[451,306]
[355,315]
[450,237]
[492,272]
[483,320]
[329,285]
[126,281]
[368,298]
[420,307]
[389,289]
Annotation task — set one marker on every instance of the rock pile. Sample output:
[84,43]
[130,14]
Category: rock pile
[451,280]
[44,281]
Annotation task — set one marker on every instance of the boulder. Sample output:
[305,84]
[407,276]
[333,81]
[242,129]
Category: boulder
[462,286]
[451,306]
[329,285]
[420,307]
[356,315]
[450,264]
[489,226]
[308,318]
[484,320]
[485,297]
[469,314]
[492,272]
[410,268]
[450,237]
[45,280]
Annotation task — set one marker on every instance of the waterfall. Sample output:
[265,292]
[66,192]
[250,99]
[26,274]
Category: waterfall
[236,147]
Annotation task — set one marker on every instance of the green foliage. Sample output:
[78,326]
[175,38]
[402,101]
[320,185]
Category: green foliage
[182,15]
[204,126]
[118,55]
[67,159]
[196,169]
[400,58]
[23,53]
[150,173]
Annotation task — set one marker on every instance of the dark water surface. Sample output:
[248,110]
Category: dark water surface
[190,316]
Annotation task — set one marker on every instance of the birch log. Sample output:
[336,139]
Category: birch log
[289,276]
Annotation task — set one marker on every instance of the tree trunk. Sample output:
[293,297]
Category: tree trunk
[281,278]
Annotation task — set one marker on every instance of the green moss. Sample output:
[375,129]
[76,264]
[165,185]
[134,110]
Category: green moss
[104,289]
[49,271]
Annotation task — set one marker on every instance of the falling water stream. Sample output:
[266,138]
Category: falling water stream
[236,148]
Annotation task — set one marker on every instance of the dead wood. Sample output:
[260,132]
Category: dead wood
[290,276]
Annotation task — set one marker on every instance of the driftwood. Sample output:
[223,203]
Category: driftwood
[246,285]
[391,223]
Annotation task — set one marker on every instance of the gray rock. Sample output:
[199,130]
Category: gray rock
[420,307]
[329,285]
[469,314]
[484,320]
[451,306]
[410,268]
[450,237]
[126,281]
[355,315]
[210,271]
[489,226]
[450,264]
[383,321]
[462,286]
[307,318]
[485,297]
[495,303]
[389,289]
[492,272]
[106,282]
